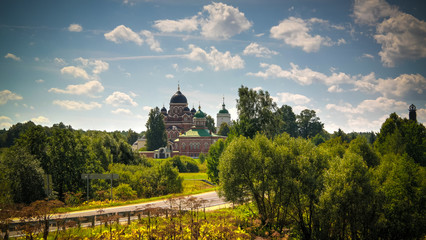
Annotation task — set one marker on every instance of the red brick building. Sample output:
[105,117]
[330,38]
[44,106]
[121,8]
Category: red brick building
[186,129]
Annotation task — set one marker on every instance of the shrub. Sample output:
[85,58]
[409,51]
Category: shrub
[185,164]
[124,192]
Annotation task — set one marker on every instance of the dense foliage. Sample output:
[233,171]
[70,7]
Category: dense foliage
[61,154]
[156,135]
[338,190]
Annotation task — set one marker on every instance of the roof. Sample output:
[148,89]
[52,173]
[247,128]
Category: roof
[197,133]
[223,111]
[200,114]
[178,97]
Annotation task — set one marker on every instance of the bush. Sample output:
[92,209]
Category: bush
[73,199]
[124,192]
[185,164]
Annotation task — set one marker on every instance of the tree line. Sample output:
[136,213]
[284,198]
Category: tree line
[365,186]
[34,153]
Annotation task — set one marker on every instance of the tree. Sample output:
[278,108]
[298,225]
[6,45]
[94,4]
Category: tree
[256,113]
[156,136]
[223,129]
[67,160]
[132,136]
[215,151]
[282,177]
[348,203]
[23,174]
[309,124]
[288,120]
[401,186]
[401,136]
[210,124]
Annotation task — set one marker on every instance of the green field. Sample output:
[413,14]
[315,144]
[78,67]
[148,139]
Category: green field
[191,176]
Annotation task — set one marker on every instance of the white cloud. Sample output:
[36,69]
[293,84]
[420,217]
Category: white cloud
[73,105]
[216,59]
[257,88]
[12,56]
[361,124]
[133,94]
[400,86]
[366,55]
[75,28]
[402,37]
[196,69]
[421,115]
[120,111]
[304,76]
[182,25]
[39,81]
[258,51]
[298,99]
[97,66]
[371,11]
[147,108]
[5,119]
[334,88]
[5,125]
[217,21]
[224,21]
[7,95]
[295,32]
[90,89]
[380,104]
[41,120]
[118,98]
[59,61]
[154,45]
[123,34]
[170,76]
[76,72]
[36,59]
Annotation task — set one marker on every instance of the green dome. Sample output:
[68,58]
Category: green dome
[199,114]
[224,111]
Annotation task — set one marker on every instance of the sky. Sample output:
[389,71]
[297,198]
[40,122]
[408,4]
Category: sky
[103,64]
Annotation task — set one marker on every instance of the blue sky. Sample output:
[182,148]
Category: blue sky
[103,64]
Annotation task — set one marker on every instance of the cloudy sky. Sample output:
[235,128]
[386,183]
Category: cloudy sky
[104,64]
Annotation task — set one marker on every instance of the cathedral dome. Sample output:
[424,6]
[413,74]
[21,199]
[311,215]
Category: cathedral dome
[178,97]
[193,111]
[223,111]
[186,109]
[199,114]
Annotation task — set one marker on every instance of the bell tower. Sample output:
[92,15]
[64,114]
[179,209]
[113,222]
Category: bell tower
[412,115]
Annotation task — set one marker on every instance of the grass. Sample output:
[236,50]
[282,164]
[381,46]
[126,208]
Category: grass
[190,187]
[191,176]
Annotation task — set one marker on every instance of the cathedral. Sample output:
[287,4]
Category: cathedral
[187,133]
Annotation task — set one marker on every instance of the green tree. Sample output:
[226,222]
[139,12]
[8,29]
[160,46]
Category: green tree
[361,147]
[348,203]
[309,124]
[213,156]
[23,174]
[210,124]
[288,120]
[401,136]
[402,187]
[156,136]
[223,129]
[66,160]
[132,136]
[256,112]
